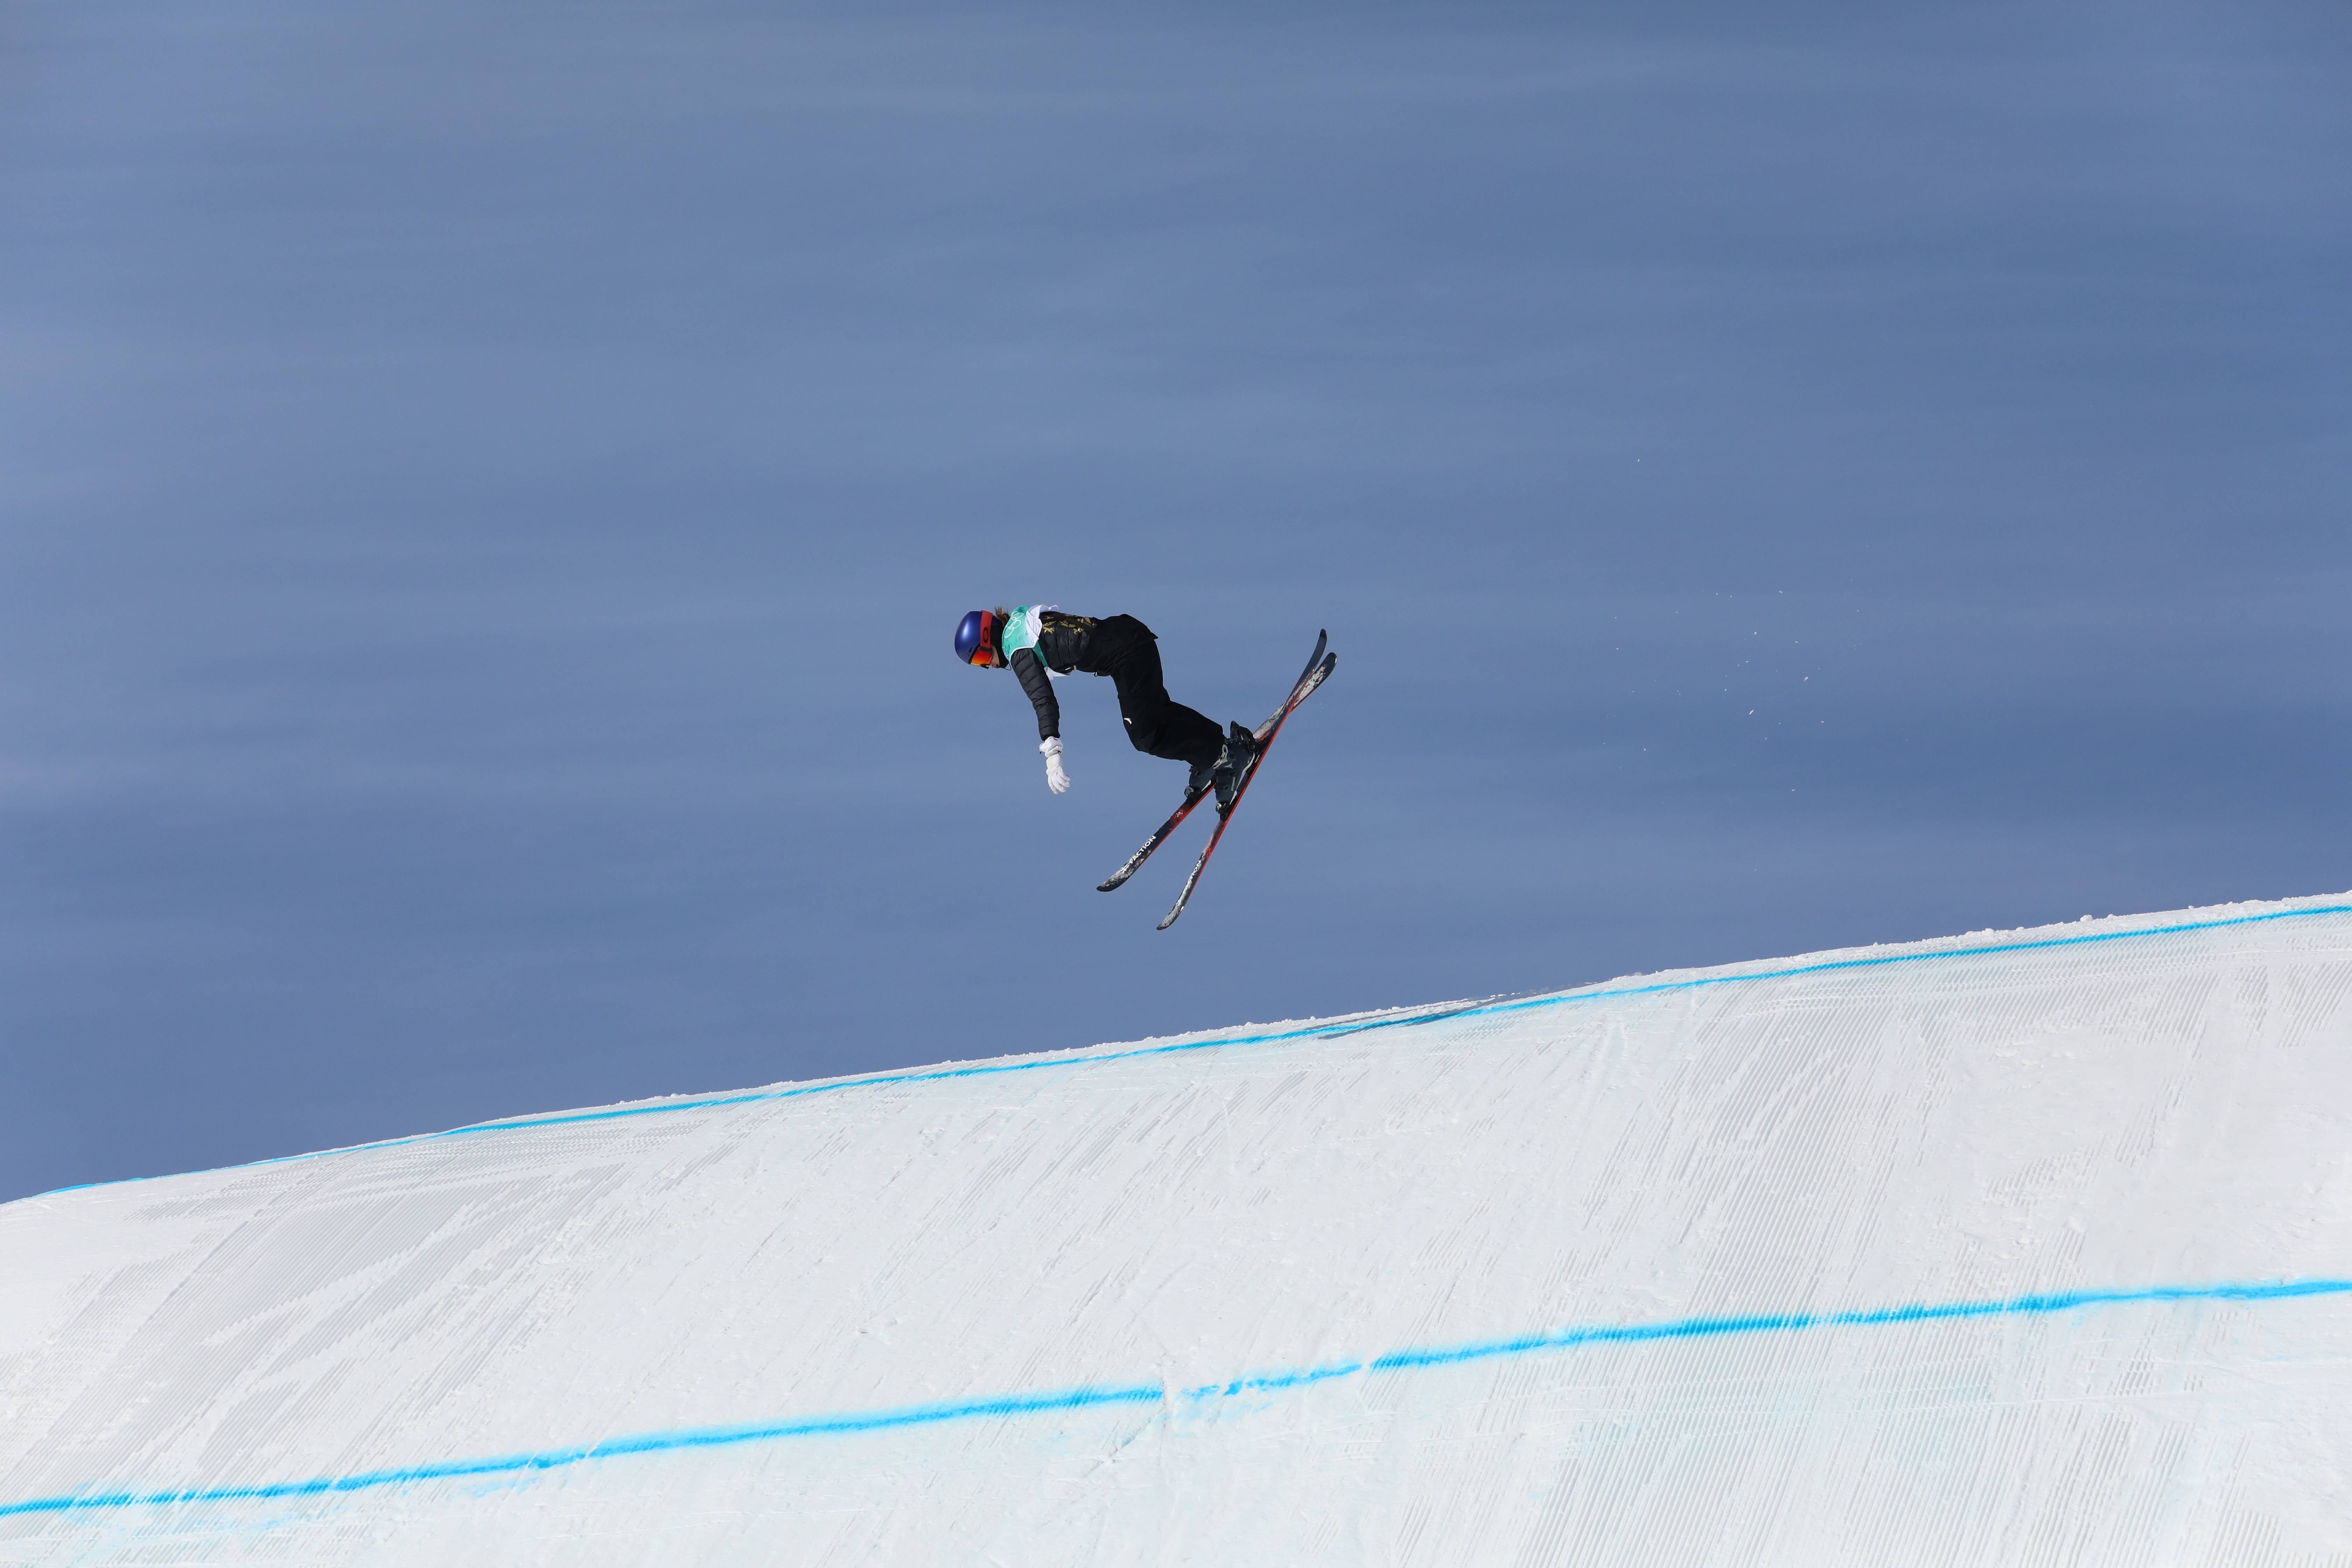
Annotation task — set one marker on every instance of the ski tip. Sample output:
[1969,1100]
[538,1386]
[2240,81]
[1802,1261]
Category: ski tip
[1112,886]
[1170,921]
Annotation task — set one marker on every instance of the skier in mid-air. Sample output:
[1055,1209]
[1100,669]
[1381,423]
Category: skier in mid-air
[1033,641]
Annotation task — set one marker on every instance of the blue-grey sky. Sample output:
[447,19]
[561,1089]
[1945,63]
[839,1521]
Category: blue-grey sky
[487,491]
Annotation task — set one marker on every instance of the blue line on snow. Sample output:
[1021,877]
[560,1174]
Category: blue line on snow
[1013,1405]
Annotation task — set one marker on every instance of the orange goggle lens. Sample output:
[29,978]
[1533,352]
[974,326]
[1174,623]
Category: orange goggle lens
[986,652]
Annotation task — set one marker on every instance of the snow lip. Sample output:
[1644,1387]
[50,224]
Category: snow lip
[2085,931]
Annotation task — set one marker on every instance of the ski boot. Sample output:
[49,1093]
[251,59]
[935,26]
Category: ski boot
[1232,769]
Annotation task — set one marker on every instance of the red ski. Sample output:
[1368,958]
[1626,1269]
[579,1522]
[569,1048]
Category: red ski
[1316,670]
[1317,667]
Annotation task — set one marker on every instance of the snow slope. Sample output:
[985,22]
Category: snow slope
[2017,1248]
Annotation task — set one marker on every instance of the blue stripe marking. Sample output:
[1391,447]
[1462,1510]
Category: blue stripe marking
[1400,1020]
[1016,1405]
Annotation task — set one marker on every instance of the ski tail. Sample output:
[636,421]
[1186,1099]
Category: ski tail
[1193,797]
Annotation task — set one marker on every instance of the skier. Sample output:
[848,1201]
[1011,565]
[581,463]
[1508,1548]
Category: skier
[1035,640]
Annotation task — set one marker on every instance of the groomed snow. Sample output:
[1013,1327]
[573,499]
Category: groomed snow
[2023,1248]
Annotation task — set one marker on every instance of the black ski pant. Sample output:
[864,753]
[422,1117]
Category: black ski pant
[1157,725]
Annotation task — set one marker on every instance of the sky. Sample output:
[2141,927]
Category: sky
[486,495]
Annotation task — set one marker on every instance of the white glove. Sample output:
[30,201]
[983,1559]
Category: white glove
[1055,779]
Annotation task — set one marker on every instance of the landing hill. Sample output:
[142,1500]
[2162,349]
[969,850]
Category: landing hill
[2018,1248]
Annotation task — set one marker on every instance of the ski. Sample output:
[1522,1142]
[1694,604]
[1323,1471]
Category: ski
[1317,670]
[1308,679]
[1193,797]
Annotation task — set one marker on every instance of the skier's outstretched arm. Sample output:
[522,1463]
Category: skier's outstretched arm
[1040,688]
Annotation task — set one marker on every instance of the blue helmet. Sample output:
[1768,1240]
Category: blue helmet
[976,638]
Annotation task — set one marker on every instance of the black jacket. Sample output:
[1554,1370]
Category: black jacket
[1069,644]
